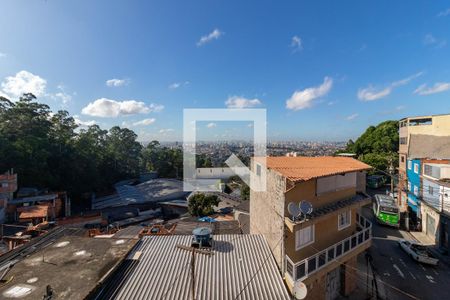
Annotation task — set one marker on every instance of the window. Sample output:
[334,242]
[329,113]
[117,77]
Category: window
[430,190]
[403,140]
[258,169]
[402,159]
[416,191]
[304,237]
[416,168]
[409,165]
[344,219]
[409,186]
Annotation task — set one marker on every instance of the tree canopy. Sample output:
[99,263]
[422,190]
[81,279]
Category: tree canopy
[49,150]
[202,204]
[378,145]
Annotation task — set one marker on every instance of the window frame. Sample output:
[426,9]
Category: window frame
[409,164]
[345,225]
[416,190]
[416,168]
[299,246]
[258,169]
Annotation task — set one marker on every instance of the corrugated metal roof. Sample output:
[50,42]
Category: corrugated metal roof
[242,267]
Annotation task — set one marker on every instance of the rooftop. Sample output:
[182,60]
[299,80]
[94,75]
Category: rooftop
[302,168]
[31,212]
[83,262]
[241,267]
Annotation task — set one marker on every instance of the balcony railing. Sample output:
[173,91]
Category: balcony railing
[312,264]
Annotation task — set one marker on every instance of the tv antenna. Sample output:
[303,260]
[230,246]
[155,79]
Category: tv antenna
[297,210]
[294,210]
[300,290]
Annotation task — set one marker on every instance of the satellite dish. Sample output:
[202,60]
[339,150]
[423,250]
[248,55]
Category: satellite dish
[294,210]
[300,290]
[305,207]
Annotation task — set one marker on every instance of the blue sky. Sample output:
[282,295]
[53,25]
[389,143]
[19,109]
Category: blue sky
[324,70]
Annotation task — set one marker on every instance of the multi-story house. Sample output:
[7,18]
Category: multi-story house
[318,249]
[435,125]
[8,185]
[435,208]
[413,189]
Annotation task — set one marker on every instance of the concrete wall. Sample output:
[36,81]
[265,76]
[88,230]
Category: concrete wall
[214,173]
[361,181]
[433,199]
[427,212]
[267,214]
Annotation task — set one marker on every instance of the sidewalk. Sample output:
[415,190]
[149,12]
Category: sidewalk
[426,240]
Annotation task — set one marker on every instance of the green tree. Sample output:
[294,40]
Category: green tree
[377,145]
[202,204]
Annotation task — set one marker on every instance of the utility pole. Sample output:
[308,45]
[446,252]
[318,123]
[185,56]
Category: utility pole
[194,251]
[391,172]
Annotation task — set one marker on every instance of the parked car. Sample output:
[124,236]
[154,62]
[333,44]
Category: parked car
[418,252]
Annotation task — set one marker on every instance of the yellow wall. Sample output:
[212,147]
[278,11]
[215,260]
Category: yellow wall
[326,234]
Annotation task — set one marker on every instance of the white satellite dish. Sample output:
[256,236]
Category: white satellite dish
[300,291]
[294,210]
[306,208]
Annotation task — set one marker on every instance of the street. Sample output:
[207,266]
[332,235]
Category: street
[399,276]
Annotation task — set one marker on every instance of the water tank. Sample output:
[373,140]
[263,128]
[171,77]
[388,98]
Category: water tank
[202,237]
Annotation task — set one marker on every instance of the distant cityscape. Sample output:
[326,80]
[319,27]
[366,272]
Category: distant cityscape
[219,151]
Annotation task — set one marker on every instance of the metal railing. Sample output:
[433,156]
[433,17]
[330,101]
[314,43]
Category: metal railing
[312,264]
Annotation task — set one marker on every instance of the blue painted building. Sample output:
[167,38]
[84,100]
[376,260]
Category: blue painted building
[413,171]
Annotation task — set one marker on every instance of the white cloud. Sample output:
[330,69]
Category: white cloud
[241,102]
[296,43]
[155,107]
[438,87]
[406,80]
[117,82]
[24,82]
[304,98]
[145,122]
[371,93]
[176,85]
[104,107]
[62,96]
[84,123]
[430,40]
[167,130]
[444,13]
[65,98]
[214,35]
[352,117]
[2,54]
[211,125]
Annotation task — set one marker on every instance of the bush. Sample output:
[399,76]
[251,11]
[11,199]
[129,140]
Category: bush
[202,205]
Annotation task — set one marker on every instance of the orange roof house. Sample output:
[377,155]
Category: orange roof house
[303,168]
[33,212]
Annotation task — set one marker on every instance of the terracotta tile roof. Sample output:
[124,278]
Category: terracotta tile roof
[35,211]
[302,168]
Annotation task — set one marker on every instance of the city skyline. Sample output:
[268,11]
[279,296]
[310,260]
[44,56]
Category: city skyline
[323,71]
